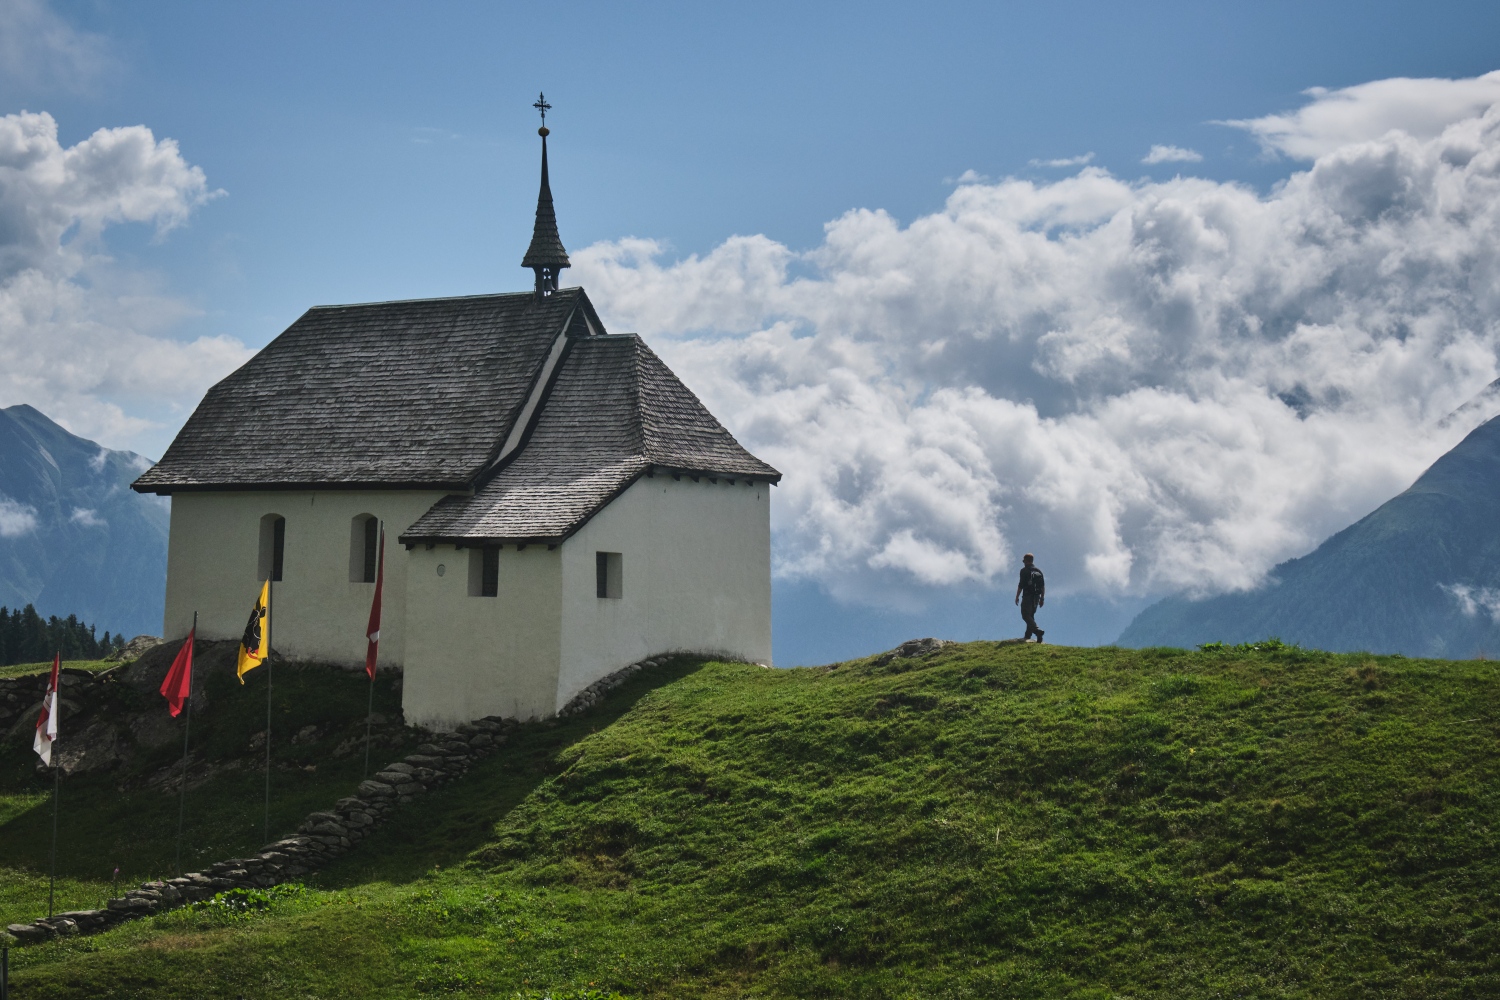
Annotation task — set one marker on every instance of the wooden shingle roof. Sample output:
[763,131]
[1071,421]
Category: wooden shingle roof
[388,394]
[428,394]
[615,413]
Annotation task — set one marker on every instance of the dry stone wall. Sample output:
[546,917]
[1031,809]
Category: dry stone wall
[596,692]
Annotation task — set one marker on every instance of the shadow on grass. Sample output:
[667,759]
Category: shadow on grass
[117,818]
[453,822]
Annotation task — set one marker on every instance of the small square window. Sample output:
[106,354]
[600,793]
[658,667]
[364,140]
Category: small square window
[608,574]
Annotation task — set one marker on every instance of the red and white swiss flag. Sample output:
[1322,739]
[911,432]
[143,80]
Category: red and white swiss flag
[46,723]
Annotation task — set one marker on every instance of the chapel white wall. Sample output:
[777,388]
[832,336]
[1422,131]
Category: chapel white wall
[470,657]
[318,613]
[696,575]
[696,561]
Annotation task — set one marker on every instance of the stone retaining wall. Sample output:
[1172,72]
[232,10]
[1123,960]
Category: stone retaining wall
[595,692]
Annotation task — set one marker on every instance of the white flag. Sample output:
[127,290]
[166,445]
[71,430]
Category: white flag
[46,723]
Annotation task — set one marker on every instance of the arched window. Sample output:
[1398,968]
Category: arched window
[364,548]
[272,545]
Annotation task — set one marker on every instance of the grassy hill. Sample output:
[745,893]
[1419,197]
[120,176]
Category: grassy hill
[989,821]
[126,818]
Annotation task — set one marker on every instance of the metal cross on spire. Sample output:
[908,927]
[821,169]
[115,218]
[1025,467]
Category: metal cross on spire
[542,106]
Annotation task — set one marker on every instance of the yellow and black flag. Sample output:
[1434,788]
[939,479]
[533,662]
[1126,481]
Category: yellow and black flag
[255,646]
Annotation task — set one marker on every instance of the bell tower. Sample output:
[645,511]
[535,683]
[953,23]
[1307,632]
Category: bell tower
[546,255]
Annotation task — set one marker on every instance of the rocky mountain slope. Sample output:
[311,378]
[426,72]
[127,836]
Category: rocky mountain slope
[74,539]
[1420,576]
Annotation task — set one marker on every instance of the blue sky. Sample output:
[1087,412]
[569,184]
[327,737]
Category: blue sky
[382,150]
[355,152]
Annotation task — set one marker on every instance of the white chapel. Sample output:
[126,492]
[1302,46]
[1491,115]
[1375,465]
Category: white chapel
[557,504]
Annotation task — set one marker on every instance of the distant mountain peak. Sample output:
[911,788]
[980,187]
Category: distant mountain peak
[1418,575]
[74,539]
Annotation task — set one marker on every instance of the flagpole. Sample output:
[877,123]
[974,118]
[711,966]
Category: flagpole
[56,770]
[369,712]
[187,729]
[266,822]
[52,882]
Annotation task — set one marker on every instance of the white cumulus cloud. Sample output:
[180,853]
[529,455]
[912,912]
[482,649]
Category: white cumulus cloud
[1155,386]
[1172,154]
[79,339]
[1419,108]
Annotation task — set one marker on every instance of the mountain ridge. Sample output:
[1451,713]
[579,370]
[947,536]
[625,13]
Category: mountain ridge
[1419,575]
[74,539]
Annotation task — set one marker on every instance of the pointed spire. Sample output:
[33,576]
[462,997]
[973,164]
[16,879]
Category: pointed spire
[546,255]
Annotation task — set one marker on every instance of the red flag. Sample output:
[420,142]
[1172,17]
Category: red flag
[46,722]
[372,630]
[178,685]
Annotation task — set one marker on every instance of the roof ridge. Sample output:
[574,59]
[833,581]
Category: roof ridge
[444,298]
[637,407]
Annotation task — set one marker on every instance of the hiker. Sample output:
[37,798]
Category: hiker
[1031,593]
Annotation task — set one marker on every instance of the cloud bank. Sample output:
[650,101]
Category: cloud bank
[80,339]
[1154,386]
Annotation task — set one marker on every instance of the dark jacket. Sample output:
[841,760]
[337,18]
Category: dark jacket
[1033,585]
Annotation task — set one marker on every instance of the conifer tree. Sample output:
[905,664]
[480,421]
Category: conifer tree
[26,638]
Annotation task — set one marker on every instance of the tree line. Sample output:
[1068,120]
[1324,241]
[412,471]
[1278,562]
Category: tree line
[26,637]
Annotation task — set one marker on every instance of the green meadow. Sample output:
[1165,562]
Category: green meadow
[989,821]
[22,669]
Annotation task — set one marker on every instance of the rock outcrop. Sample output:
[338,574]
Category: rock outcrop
[135,648]
[912,648]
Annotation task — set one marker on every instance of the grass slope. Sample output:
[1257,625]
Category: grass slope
[22,669]
[1026,821]
[115,820]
